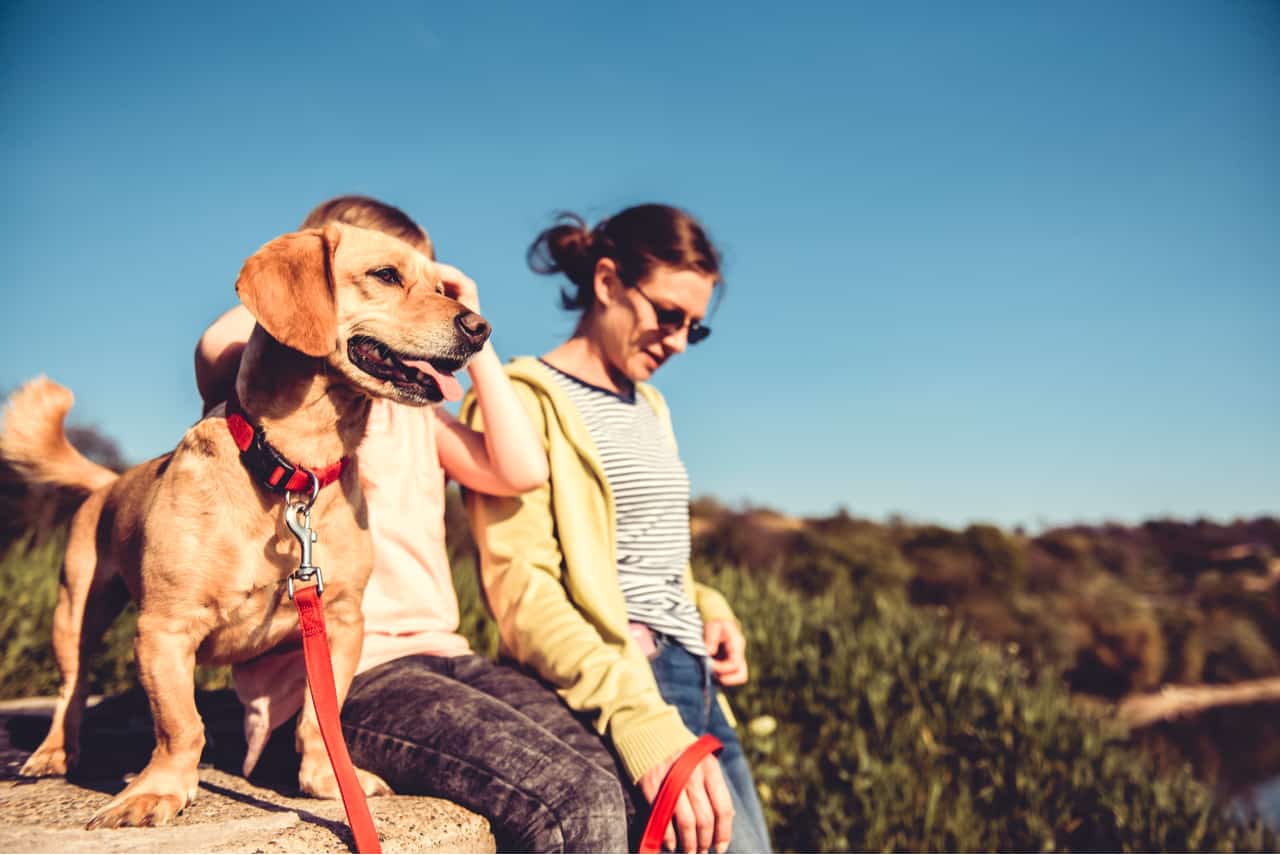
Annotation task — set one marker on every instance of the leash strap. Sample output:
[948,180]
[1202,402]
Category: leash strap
[672,786]
[315,649]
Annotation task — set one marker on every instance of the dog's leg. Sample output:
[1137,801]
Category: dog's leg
[166,654]
[89,599]
[344,624]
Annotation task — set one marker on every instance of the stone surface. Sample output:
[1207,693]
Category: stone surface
[229,815]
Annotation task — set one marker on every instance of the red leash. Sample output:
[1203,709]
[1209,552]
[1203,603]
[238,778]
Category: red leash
[324,694]
[672,786]
[270,469]
[315,649]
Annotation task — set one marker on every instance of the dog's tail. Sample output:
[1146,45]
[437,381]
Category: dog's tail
[43,478]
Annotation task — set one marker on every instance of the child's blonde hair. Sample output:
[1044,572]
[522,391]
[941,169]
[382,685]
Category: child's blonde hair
[369,213]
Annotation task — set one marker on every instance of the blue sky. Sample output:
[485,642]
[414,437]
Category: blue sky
[999,262]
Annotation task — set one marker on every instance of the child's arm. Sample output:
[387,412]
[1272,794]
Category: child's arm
[507,458]
[218,355]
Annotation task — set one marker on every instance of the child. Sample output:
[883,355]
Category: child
[424,712]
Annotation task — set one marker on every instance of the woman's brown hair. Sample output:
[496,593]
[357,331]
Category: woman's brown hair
[637,240]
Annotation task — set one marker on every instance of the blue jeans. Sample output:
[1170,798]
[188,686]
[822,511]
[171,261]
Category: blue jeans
[686,683]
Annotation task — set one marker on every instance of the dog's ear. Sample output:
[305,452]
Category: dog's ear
[288,287]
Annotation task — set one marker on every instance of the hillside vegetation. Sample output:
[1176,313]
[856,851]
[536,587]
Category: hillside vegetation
[910,684]
[1114,609]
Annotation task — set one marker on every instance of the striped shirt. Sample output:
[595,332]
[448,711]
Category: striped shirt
[651,501]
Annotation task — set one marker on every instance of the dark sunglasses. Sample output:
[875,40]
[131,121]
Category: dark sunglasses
[674,320]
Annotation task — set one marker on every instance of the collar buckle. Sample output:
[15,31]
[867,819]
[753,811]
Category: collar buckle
[265,464]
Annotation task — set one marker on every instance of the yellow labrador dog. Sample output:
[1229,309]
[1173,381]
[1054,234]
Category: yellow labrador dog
[199,540]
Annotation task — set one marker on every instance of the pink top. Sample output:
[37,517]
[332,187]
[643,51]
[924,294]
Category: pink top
[409,606]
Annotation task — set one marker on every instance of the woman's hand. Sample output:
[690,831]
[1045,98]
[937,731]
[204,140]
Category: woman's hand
[459,286]
[703,817]
[728,651]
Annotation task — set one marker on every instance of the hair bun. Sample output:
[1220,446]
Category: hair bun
[638,240]
[567,247]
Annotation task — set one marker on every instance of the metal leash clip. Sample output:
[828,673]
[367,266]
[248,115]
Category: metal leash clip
[297,516]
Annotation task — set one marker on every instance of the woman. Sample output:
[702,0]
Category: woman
[424,712]
[588,576]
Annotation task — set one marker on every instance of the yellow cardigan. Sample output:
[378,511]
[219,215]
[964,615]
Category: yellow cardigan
[553,589]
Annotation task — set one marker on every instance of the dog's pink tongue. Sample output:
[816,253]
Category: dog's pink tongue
[449,385]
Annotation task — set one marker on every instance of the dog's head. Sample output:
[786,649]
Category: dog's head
[370,305]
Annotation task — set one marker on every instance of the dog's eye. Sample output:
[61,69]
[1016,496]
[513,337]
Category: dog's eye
[387,274]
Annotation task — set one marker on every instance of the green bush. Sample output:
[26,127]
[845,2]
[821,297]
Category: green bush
[1003,562]
[474,623]
[1236,648]
[871,725]
[1184,636]
[29,578]
[1121,647]
[29,573]
[874,726]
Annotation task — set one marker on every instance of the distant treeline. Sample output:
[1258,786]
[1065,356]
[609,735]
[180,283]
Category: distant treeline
[1114,609]
[1109,610]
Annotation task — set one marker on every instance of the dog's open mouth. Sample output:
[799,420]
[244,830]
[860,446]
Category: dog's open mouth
[423,378]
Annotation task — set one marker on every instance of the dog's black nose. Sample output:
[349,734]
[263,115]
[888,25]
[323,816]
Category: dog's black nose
[474,327]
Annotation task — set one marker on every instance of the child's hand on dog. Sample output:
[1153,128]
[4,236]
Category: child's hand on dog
[459,286]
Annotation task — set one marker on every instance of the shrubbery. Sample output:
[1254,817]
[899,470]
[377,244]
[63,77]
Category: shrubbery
[29,576]
[1114,609]
[898,731]
[875,725]
[872,724]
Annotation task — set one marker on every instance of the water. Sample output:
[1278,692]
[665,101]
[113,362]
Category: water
[1265,799]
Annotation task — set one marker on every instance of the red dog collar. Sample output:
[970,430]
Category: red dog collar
[267,465]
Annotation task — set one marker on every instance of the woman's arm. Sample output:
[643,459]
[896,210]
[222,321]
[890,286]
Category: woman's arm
[522,575]
[218,355]
[595,668]
[725,642]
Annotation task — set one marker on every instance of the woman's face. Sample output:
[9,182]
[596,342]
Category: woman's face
[642,327]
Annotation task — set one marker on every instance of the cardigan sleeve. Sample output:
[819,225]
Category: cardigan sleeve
[592,662]
[711,603]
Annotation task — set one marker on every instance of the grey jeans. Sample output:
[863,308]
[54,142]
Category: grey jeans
[493,740]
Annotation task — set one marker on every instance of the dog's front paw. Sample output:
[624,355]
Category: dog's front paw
[46,763]
[372,784]
[319,782]
[144,809]
[149,800]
